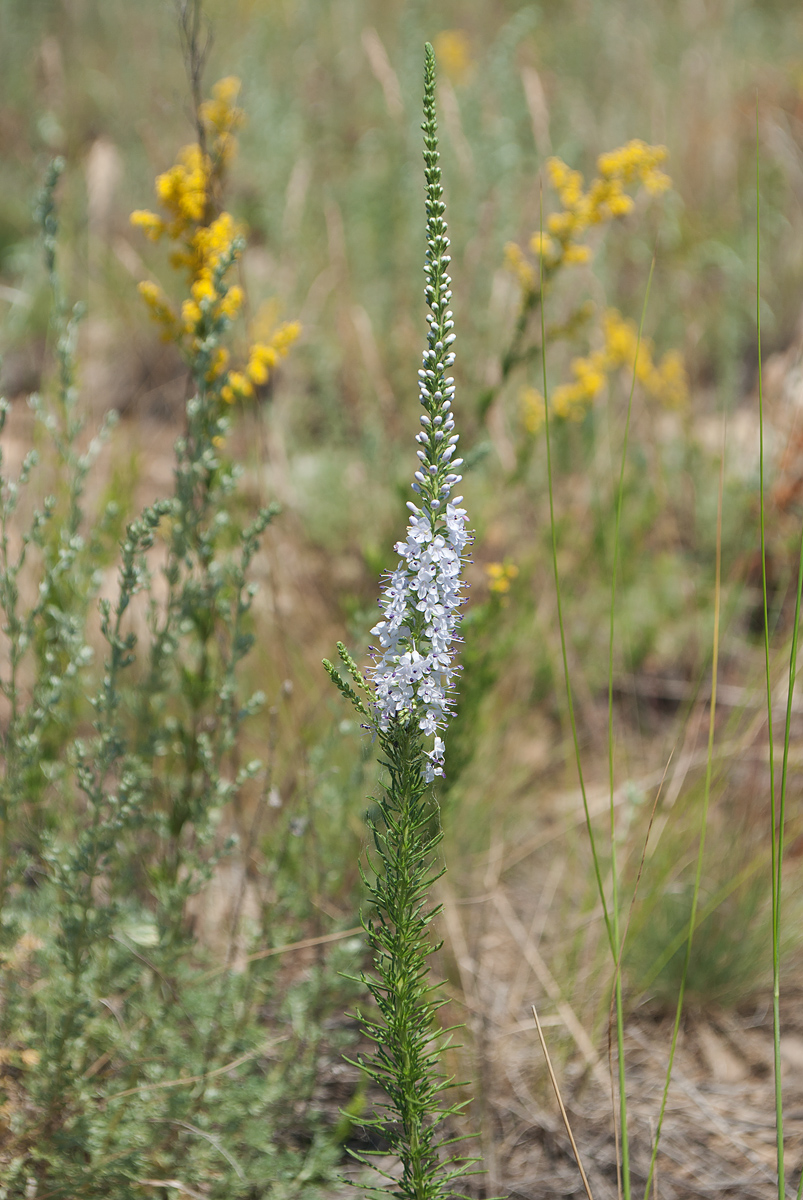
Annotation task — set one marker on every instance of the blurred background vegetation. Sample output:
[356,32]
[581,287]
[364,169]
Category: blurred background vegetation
[328,182]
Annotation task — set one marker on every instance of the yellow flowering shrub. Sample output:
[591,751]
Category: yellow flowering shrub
[207,243]
[563,244]
[570,400]
[632,166]
[664,380]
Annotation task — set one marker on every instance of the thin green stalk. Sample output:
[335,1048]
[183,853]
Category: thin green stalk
[786,740]
[566,675]
[777,837]
[620,1031]
[703,828]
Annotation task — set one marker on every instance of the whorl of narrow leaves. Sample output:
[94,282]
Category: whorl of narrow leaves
[409,1045]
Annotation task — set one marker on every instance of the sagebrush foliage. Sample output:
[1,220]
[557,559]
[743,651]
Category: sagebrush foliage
[125,1063]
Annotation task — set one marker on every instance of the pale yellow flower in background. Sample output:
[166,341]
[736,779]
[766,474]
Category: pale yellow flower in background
[500,577]
[453,52]
[532,410]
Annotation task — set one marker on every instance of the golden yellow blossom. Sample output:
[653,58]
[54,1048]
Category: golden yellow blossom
[636,162]
[571,401]
[621,339]
[191,315]
[524,271]
[262,359]
[265,355]
[575,253]
[220,360]
[160,309]
[150,224]
[232,302]
[567,183]
[223,118]
[284,337]
[203,288]
[206,245]
[665,380]
[238,386]
[453,52]
[532,409]
[184,189]
[543,245]
[500,576]
[631,166]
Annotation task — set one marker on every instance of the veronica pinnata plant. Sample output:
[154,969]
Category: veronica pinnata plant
[408,700]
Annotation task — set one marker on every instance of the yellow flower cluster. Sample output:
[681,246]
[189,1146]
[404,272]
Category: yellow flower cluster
[664,380]
[262,358]
[532,410]
[571,400]
[524,271]
[453,53]
[500,577]
[207,246]
[633,165]
[186,190]
[160,309]
[636,163]
[223,118]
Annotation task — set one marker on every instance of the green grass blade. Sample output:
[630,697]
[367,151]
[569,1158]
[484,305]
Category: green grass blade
[620,1029]
[566,674]
[703,828]
[776,837]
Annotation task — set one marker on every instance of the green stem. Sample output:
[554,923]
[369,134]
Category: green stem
[777,838]
[561,626]
[614,872]
[703,828]
[514,355]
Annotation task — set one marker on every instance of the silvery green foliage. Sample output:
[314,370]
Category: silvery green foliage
[49,576]
[115,773]
[414,673]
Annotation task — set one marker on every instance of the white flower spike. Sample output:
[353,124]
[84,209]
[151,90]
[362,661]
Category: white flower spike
[414,669]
